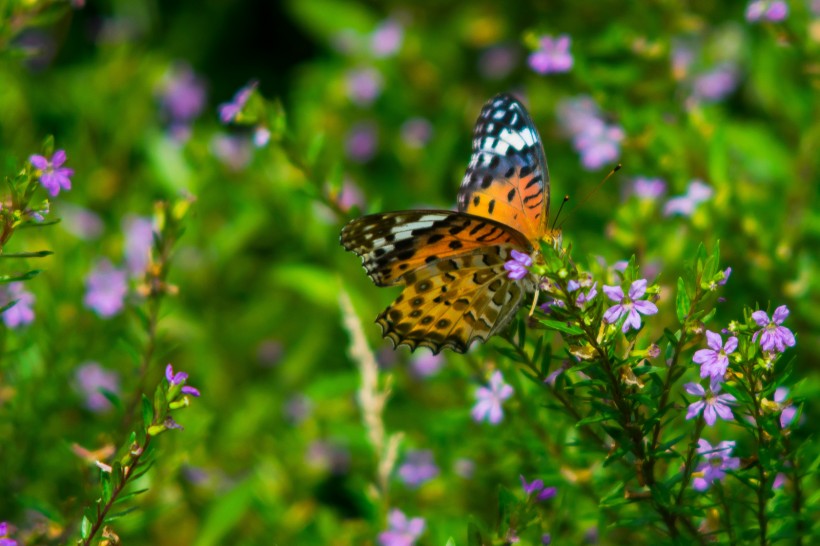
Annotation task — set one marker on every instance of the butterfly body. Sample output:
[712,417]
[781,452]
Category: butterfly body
[452,262]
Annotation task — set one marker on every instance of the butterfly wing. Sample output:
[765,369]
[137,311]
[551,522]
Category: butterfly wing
[507,179]
[452,265]
[393,244]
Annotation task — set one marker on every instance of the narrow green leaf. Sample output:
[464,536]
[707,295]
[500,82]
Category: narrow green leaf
[46,223]
[682,301]
[147,411]
[474,536]
[21,277]
[562,327]
[118,515]
[37,254]
[451,542]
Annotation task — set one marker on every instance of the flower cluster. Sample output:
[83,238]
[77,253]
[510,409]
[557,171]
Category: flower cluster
[552,55]
[402,531]
[773,11]
[536,488]
[418,467]
[685,204]
[718,461]
[517,266]
[598,141]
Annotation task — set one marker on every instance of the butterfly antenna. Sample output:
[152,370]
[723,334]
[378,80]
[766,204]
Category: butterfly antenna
[591,193]
[564,202]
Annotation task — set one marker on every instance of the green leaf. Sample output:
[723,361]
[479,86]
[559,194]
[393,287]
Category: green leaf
[561,327]
[225,513]
[22,277]
[147,411]
[682,301]
[37,254]
[85,528]
[117,515]
[474,535]
[451,542]
[45,223]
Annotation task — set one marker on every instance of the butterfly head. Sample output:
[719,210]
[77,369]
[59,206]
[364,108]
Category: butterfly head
[553,238]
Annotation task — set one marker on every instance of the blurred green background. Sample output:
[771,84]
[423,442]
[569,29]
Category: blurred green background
[275,451]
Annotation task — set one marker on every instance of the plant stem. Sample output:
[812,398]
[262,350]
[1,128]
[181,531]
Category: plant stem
[127,473]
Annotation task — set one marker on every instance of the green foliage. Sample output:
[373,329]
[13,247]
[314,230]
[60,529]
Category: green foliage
[282,448]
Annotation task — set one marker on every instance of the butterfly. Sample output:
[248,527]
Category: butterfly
[456,289]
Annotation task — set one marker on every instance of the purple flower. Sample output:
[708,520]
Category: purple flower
[139,239]
[488,406]
[718,460]
[230,111]
[715,84]
[91,379]
[779,481]
[402,532]
[715,360]
[261,136]
[576,114]
[648,188]
[5,531]
[106,288]
[517,266]
[464,467]
[537,486]
[628,306]
[722,282]
[362,140]
[232,151]
[546,539]
[583,297]
[328,456]
[298,408]
[269,352]
[81,222]
[386,39]
[716,405]
[21,312]
[350,196]
[179,378]
[53,176]
[182,94]
[418,467]
[416,132]
[774,337]
[767,10]
[788,412]
[498,61]
[363,85]
[599,143]
[696,193]
[426,364]
[552,55]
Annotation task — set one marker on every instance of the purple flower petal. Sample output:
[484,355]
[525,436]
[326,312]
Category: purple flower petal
[731,345]
[39,162]
[714,341]
[613,314]
[787,416]
[638,289]
[695,389]
[694,409]
[646,307]
[780,394]
[615,293]
[761,318]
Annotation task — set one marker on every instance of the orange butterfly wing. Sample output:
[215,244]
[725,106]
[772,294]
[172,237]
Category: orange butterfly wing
[507,178]
[456,287]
